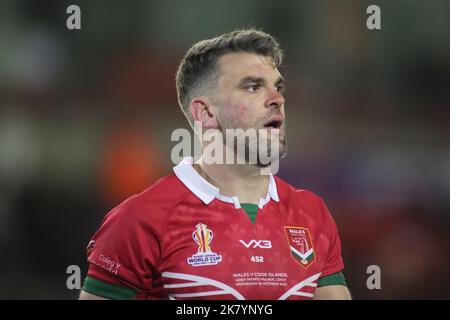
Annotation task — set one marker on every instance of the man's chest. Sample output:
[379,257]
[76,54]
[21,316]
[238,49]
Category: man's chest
[223,255]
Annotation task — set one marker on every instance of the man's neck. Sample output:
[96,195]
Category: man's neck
[243,181]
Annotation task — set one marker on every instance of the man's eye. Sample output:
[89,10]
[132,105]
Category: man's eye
[280,88]
[253,87]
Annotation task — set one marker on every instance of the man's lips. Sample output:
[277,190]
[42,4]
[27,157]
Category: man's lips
[274,122]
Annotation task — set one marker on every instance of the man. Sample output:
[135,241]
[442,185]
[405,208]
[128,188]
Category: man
[222,231]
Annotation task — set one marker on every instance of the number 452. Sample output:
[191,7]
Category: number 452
[257,259]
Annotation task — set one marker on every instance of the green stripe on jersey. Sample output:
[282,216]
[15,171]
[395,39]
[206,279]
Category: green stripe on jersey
[333,279]
[251,210]
[108,290]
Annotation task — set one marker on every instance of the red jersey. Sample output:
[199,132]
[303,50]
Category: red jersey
[182,239]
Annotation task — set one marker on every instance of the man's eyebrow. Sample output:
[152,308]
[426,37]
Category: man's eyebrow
[254,79]
[279,81]
[258,80]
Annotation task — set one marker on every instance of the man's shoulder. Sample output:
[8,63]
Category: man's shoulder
[156,200]
[292,193]
[168,188]
[306,201]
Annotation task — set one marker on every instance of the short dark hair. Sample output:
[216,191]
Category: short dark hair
[198,69]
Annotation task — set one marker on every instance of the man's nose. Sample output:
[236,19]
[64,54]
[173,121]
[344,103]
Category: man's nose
[275,100]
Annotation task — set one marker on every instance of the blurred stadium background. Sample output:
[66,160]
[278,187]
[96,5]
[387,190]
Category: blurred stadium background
[86,118]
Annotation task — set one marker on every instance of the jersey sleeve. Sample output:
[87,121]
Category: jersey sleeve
[334,265]
[124,252]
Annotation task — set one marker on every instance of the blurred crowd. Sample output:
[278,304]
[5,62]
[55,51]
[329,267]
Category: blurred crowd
[86,118]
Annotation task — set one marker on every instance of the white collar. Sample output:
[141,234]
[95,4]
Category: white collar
[206,192]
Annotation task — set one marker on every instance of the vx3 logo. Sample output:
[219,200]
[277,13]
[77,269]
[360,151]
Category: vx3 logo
[263,244]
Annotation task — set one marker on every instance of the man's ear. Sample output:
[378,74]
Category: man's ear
[202,110]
